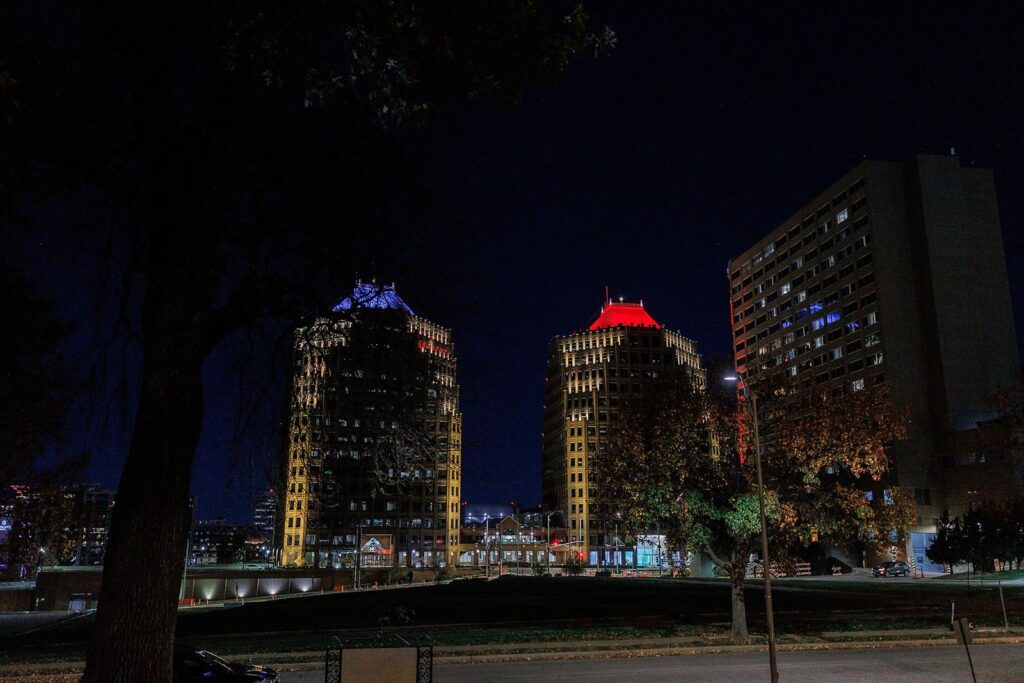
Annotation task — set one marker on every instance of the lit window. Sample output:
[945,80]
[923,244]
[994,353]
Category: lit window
[819,342]
[785,288]
[832,317]
[842,216]
[857,384]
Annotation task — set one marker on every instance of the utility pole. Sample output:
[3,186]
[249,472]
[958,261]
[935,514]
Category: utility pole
[772,657]
[769,613]
[615,545]
[549,543]
[188,547]
[357,574]
[273,534]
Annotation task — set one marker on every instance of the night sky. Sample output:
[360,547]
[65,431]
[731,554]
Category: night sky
[646,171]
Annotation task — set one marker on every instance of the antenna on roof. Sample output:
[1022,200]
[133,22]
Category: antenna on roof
[607,297]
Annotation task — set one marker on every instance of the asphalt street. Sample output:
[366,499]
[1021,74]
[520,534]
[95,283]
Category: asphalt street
[932,664]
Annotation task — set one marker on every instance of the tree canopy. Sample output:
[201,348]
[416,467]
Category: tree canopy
[682,458]
[233,159]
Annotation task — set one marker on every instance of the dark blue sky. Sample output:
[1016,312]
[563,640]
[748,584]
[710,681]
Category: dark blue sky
[647,171]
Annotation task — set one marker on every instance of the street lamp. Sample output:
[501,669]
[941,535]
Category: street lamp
[772,660]
[548,516]
[616,543]
[487,545]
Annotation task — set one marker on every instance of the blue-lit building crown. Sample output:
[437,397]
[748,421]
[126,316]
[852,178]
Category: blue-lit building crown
[372,295]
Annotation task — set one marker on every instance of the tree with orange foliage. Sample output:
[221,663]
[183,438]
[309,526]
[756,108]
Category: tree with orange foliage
[675,460]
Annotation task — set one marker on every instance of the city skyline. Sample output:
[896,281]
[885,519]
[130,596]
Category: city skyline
[612,179]
[591,320]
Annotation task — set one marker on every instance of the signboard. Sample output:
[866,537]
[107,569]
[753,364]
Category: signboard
[376,544]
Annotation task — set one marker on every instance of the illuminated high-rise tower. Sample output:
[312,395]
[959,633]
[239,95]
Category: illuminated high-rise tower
[373,462]
[591,374]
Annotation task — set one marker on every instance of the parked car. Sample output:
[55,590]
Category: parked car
[192,664]
[892,569]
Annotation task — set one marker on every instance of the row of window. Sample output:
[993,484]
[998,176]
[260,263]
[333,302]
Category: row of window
[819,269]
[815,325]
[750,327]
[810,220]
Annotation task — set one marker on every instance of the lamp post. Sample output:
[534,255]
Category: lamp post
[548,515]
[615,542]
[772,659]
[487,545]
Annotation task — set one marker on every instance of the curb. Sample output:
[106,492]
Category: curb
[74,668]
[715,649]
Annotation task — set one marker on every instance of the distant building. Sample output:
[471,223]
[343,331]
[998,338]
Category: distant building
[97,509]
[591,374]
[264,513]
[218,541]
[265,523]
[374,454]
[895,274]
[67,525]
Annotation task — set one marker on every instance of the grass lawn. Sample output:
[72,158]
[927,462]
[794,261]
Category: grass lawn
[532,609]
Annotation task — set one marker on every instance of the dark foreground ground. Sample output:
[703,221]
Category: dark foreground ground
[932,664]
[531,608]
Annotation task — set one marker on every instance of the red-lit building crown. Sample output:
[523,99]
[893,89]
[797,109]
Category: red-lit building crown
[615,313]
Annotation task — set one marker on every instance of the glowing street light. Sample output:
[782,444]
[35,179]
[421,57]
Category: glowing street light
[772,660]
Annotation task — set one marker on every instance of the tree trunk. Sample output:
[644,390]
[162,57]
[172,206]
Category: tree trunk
[133,639]
[739,613]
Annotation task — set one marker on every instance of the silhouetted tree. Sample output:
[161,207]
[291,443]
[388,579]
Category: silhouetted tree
[947,548]
[980,536]
[246,150]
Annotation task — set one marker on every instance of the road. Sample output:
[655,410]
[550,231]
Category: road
[931,664]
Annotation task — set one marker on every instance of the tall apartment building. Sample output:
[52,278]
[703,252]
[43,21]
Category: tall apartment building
[264,513]
[97,509]
[591,374]
[373,465]
[894,274]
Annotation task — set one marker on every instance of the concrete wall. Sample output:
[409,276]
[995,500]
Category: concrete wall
[59,589]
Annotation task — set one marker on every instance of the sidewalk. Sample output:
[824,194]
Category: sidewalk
[36,672]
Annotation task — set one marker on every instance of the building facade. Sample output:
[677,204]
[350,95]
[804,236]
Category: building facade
[895,274]
[63,526]
[373,464]
[218,541]
[97,510]
[591,374]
